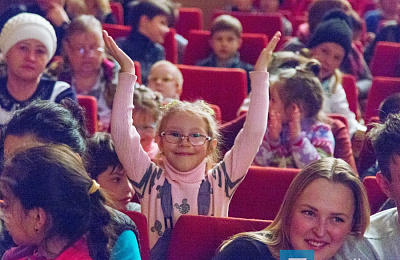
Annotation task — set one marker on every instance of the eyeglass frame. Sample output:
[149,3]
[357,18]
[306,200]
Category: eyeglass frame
[90,51]
[182,137]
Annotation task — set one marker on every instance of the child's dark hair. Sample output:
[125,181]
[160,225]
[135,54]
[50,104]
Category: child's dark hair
[149,8]
[226,23]
[50,122]
[52,177]
[300,86]
[385,140]
[391,105]
[101,154]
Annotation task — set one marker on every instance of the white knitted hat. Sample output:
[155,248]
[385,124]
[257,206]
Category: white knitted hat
[28,26]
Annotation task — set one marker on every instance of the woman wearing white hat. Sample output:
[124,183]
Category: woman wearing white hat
[28,42]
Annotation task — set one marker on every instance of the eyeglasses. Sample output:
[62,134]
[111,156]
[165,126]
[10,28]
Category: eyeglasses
[146,128]
[174,137]
[89,51]
[165,79]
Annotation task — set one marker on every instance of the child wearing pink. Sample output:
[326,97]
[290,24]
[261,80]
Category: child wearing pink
[166,193]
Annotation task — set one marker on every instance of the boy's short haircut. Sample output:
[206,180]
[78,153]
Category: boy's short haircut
[101,154]
[226,23]
[149,8]
[386,142]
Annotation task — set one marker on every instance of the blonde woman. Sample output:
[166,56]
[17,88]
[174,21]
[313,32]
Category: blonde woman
[324,205]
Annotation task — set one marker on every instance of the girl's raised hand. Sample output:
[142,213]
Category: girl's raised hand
[266,54]
[123,60]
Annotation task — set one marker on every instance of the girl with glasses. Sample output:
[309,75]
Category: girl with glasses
[185,180]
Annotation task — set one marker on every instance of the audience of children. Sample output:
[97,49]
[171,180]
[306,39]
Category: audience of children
[86,67]
[187,137]
[382,238]
[226,39]
[52,10]
[166,78]
[146,114]
[149,21]
[103,165]
[183,177]
[296,135]
[325,204]
[28,42]
[98,8]
[330,44]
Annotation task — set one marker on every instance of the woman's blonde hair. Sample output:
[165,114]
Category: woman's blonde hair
[201,109]
[276,235]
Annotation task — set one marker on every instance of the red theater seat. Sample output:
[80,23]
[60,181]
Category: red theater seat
[198,237]
[141,224]
[261,193]
[226,88]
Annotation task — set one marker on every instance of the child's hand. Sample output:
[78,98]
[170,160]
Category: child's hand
[266,54]
[124,61]
[274,125]
[294,123]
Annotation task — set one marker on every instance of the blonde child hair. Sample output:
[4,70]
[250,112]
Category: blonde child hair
[201,109]
[176,73]
[145,99]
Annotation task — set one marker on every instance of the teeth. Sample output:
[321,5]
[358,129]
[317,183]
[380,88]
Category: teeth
[316,244]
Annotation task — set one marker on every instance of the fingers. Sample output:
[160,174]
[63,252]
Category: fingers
[124,61]
[273,42]
[266,54]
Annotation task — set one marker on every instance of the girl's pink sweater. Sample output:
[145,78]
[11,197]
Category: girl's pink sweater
[224,178]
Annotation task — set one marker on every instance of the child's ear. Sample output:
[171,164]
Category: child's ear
[39,219]
[158,140]
[240,42]
[214,143]
[384,184]
[144,19]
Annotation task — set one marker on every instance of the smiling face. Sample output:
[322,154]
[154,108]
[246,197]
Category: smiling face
[117,185]
[155,29]
[330,55]
[322,217]
[27,59]
[225,44]
[184,156]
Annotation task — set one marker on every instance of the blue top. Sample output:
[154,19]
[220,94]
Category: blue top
[140,48]
[126,247]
